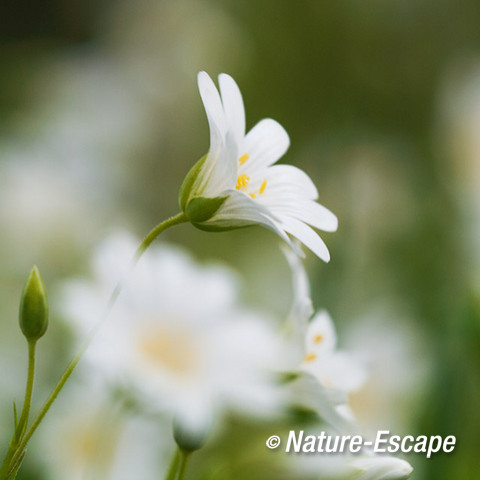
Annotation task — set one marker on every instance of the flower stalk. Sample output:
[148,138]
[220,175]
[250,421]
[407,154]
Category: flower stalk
[178,466]
[16,451]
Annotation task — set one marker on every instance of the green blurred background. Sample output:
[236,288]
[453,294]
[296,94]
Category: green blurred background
[100,120]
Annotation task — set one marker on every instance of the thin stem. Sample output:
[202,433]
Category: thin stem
[172,469]
[22,423]
[28,391]
[183,463]
[147,241]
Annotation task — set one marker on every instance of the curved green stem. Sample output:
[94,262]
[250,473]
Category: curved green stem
[20,427]
[184,457]
[147,241]
[28,392]
[172,469]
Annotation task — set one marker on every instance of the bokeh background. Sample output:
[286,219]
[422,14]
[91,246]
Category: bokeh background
[100,120]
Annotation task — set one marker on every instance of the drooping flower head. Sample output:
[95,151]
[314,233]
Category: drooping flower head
[236,183]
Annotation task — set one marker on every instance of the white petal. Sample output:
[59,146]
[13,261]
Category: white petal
[286,178]
[219,171]
[382,468]
[240,210]
[233,106]
[214,110]
[307,236]
[321,335]
[265,143]
[345,372]
[307,211]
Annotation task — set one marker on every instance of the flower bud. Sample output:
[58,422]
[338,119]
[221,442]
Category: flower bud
[191,435]
[33,316]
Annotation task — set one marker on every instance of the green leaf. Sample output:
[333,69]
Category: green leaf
[12,474]
[15,416]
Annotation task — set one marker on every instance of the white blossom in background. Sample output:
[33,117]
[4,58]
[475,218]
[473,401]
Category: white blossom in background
[379,467]
[459,143]
[176,337]
[93,437]
[330,377]
[236,183]
[337,371]
[343,466]
[328,374]
[395,354]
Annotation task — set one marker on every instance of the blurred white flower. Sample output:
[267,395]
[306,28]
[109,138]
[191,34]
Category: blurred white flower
[376,467]
[364,465]
[92,437]
[235,185]
[331,375]
[395,352]
[334,369]
[312,346]
[177,336]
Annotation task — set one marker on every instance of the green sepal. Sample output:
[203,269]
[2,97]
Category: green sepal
[201,209]
[33,317]
[218,228]
[186,188]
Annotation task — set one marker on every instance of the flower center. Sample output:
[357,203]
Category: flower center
[242,181]
[172,351]
[84,440]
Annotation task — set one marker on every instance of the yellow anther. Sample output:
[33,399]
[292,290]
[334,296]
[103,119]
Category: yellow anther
[263,187]
[318,338]
[252,195]
[310,357]
[242,181]
[243,158]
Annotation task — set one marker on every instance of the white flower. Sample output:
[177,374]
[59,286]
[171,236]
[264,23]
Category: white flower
[312,345]
[90,437]
[236,183]
[376,467]
[334,369]
[177,337]
[361,466]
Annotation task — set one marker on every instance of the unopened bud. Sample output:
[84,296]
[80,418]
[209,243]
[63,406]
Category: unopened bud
[190,437]
[33,316]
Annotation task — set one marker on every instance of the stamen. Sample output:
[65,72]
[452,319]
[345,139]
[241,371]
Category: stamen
[263,187]
[242,181]
[252,195]
[318,338]
[243,158]
[310,357]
